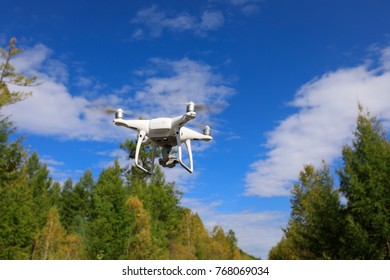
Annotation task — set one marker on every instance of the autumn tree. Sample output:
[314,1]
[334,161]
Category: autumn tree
[50,242]
[186,244]
[140,243]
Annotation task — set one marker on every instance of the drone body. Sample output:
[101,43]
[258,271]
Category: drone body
[165,133]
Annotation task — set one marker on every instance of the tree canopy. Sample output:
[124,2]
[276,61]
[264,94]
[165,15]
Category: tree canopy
[320,226]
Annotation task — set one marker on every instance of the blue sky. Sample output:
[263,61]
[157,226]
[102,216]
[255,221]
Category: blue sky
[285,78]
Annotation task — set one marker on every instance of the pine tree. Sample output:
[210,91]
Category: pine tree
[365,182]
[108,230]
[40,183]
[315,226]
[66,204]
[17,222]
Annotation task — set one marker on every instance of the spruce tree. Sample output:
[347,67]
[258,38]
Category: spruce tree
[108,229]
[365,182]
[40,184]
[315,225]
[17,221]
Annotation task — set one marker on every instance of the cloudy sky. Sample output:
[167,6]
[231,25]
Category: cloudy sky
[283,78]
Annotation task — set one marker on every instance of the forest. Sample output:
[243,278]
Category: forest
[343,214]
[118,215]
[340,212]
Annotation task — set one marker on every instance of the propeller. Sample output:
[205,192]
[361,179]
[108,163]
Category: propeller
[109,110]
[203,108]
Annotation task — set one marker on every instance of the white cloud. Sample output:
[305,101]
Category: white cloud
[247,7]
[58,170]
[211,20]
[386,58]
[48,160]
[257,232]
[53,110]
[327,110]
[189,81]
[156,21]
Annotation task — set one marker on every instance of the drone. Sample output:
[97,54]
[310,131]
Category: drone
[165,133]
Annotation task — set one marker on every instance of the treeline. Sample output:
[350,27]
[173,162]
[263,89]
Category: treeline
[121,215]
[350,219]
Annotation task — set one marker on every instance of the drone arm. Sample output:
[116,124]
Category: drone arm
[141,137]
[186,133]
[189,150]
[133,124]
[182,120]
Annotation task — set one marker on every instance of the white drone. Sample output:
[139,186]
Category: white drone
[165,133]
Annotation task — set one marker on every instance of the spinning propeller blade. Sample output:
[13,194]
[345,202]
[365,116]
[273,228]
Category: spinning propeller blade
[206,108]
[109,111]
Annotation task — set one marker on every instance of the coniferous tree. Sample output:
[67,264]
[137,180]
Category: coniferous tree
[365,182]
[66,204]
[315,225]
[17,222]
[40,183]
[108,230]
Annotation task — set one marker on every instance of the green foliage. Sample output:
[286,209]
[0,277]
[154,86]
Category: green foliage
[40,184]
[109,226]
[365,182]
[320,227]
[314,226]
[120,216]
[17,222]
[50,241]
[123,215]
[9,76]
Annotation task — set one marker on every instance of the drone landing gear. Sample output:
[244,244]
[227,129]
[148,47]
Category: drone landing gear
[141,138]
[189,150]
[167,159]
